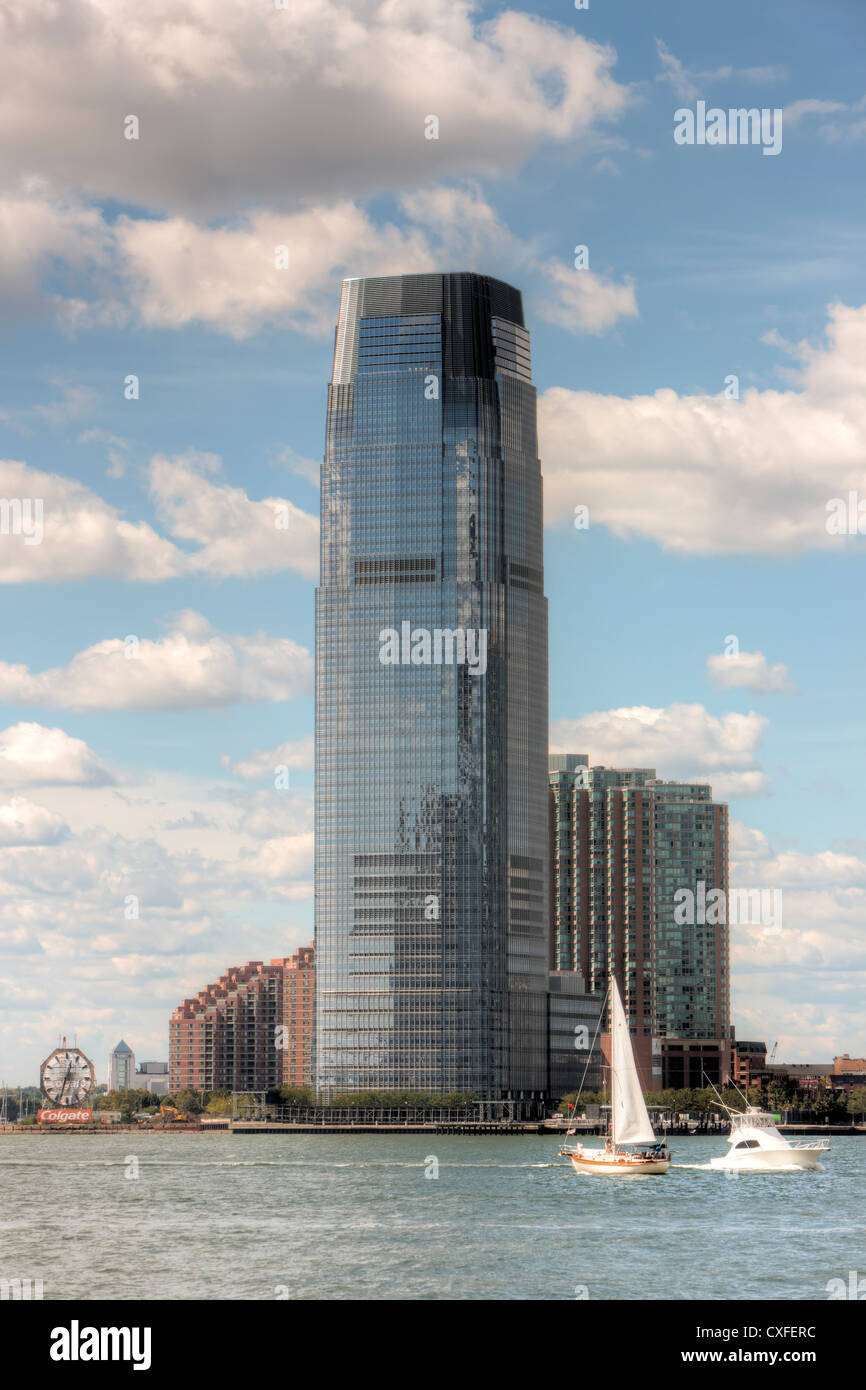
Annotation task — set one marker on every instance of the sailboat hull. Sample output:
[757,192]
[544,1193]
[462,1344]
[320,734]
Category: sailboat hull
[619,1165]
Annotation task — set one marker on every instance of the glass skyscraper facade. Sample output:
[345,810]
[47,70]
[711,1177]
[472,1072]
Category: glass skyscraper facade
[431,697]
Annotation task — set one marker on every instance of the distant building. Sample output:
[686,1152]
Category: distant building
[846,1065]
[748,1063]
[153,1077]
[639,889]
[121,1068]
[251,1031]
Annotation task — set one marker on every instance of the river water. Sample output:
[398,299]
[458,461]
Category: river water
[216,1216]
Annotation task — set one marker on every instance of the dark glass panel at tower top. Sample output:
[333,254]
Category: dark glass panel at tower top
[431,697]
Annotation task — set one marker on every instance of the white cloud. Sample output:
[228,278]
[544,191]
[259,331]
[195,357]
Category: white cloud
[710,475]
[811,106]
[587,302]
[210,894]
[40,234]
[297,753]
[24,823]
[287,862]
[682,742]
[75,400]
[281,269]
[800,979]
[749,669]
[689,83]
[191,667]
[246,103]
[34,756]
[237,536]
[84,535]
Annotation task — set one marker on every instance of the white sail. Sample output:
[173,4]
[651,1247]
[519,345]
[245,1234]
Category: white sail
[631,1123]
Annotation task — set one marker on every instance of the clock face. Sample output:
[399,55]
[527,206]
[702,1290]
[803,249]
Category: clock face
[67,1076]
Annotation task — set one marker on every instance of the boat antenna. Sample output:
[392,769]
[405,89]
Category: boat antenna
[714,1087]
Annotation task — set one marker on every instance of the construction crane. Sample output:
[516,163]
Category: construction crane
[772,1057]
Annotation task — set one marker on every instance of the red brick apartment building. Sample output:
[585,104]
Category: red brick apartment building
[251,1031]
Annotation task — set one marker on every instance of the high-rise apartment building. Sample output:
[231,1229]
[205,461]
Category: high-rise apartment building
[431,697]
[637,869]
[251,1031]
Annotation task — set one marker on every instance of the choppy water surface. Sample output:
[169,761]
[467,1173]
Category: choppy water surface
[221,1216]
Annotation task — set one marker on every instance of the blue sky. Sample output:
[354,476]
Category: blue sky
[156,257]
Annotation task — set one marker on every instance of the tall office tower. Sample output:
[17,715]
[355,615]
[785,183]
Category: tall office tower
[121,1068]
[626,851]
[431,697]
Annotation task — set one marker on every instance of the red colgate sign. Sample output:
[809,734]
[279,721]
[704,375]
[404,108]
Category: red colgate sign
[65,1117]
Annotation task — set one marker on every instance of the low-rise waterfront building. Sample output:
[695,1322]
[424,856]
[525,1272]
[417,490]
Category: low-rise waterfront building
[153,1077]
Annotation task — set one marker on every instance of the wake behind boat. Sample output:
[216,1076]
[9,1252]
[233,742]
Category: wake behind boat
[757,1146]
[630,1121]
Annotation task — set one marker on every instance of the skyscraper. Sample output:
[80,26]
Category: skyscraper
[431,697]
[627,850]
[121,1068]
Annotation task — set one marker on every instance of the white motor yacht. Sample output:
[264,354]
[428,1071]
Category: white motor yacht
[757,1146]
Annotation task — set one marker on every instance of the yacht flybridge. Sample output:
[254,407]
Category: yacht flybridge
[630,1122]
[756,1145]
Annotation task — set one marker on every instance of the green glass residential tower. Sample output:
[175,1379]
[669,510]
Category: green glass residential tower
[624,845]
[431,697]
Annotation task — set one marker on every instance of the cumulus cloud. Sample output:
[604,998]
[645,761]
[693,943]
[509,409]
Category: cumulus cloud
[236,535]
[297,753]
[213,896]
[34,756]
[682,742]
[711,475]
[748,669]
[801,979]
[247,103]
[587,302]
[191,667]
[82,535]
[286,861]
[280,269]
[22,822]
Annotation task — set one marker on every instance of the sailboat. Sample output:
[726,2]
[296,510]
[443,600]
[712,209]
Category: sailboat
[630,1122]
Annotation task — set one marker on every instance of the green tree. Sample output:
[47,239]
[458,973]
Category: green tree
[857,1101]
[219,1105]
[189,1101]
[830,1107]
[127,1102]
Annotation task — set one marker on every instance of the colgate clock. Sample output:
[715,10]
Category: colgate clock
[67,1076]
